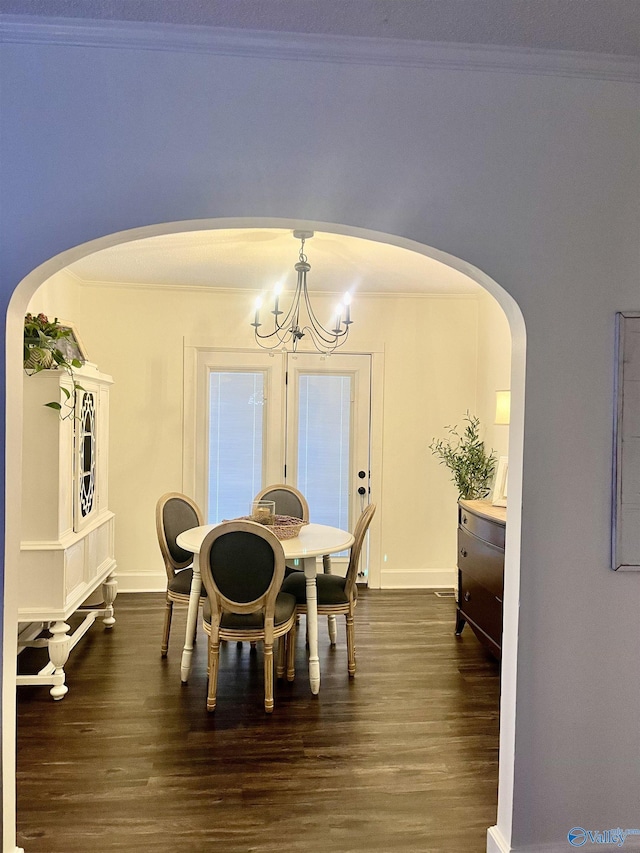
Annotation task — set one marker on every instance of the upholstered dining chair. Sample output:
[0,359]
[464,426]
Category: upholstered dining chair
[336,595]
[242,566]
[288,500]
[176,513]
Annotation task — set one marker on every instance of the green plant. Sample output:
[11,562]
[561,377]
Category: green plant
[42,352]
[465,456]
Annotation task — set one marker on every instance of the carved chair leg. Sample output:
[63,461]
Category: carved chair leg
[280,659]
[168,613]
[291,653]
[351,646]
[268,677]
[214,665]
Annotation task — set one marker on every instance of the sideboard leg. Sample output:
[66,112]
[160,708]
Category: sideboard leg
[59,648]
[460,623]
[109,591]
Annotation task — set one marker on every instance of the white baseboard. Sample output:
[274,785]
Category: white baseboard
[497,844]
[419,579]
[142,581]
[412,579]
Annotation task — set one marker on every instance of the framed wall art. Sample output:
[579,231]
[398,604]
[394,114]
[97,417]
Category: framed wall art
[72,346]
[626,445]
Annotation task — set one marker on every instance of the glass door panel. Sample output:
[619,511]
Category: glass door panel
[239,426]
[236,442]
[323,440]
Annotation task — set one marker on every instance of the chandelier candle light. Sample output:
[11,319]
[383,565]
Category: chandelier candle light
[289,329]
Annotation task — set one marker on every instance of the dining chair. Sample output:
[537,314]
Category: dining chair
[242,566]
[288,500]
[176,513]
[336,595]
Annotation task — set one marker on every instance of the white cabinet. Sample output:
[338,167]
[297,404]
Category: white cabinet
[67,547]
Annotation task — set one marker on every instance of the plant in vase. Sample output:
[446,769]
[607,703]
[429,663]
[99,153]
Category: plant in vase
[42,351]
[465,455]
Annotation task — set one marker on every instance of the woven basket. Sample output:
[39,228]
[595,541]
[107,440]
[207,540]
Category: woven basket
[286,526]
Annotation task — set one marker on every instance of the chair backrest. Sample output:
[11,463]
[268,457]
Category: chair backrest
[289,501]
[354,558]
[175,513]
[242,566]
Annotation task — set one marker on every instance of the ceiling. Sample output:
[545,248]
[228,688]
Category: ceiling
[257,259]
[594,26]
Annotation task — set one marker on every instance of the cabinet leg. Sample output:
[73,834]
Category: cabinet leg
[460,623]
[109,591]
[59,648]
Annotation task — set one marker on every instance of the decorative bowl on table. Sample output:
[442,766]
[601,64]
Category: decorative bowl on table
[288,527]
[284,526]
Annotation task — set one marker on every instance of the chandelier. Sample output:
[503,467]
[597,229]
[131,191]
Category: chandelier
[288,330]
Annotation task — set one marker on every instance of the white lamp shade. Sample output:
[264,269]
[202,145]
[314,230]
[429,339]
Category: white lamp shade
[503,407]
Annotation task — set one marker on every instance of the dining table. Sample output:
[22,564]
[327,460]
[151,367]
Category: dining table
[313,541]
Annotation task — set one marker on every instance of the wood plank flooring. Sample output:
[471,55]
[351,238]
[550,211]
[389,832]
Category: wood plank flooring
[401,759]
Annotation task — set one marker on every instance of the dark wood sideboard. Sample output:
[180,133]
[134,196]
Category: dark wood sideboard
[481,533]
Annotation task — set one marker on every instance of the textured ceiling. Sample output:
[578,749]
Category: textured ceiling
[596,26]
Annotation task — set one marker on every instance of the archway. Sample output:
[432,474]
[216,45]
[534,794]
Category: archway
[17,307]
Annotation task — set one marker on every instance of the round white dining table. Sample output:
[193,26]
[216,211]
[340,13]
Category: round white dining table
[314,540]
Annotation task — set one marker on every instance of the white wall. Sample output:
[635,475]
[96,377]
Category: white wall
[430,349]
[533,178]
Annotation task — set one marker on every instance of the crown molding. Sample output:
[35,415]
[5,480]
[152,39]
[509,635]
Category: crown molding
[76,32]
[251,292]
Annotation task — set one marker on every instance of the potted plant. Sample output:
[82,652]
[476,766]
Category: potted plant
[465,455]
[42,351]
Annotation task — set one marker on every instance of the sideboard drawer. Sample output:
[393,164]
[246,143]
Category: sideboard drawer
[481,607]
[481,527]
[482,561]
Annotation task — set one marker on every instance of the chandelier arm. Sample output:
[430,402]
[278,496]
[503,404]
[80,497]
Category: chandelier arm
[323,334]
[325,344]
[260,338]
[289,315]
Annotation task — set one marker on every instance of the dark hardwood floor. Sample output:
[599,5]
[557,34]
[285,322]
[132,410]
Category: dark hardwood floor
[401,759]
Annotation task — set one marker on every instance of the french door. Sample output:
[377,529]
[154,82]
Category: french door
[327,434]
[300,418]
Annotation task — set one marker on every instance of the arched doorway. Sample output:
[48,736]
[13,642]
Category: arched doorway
[14,330]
